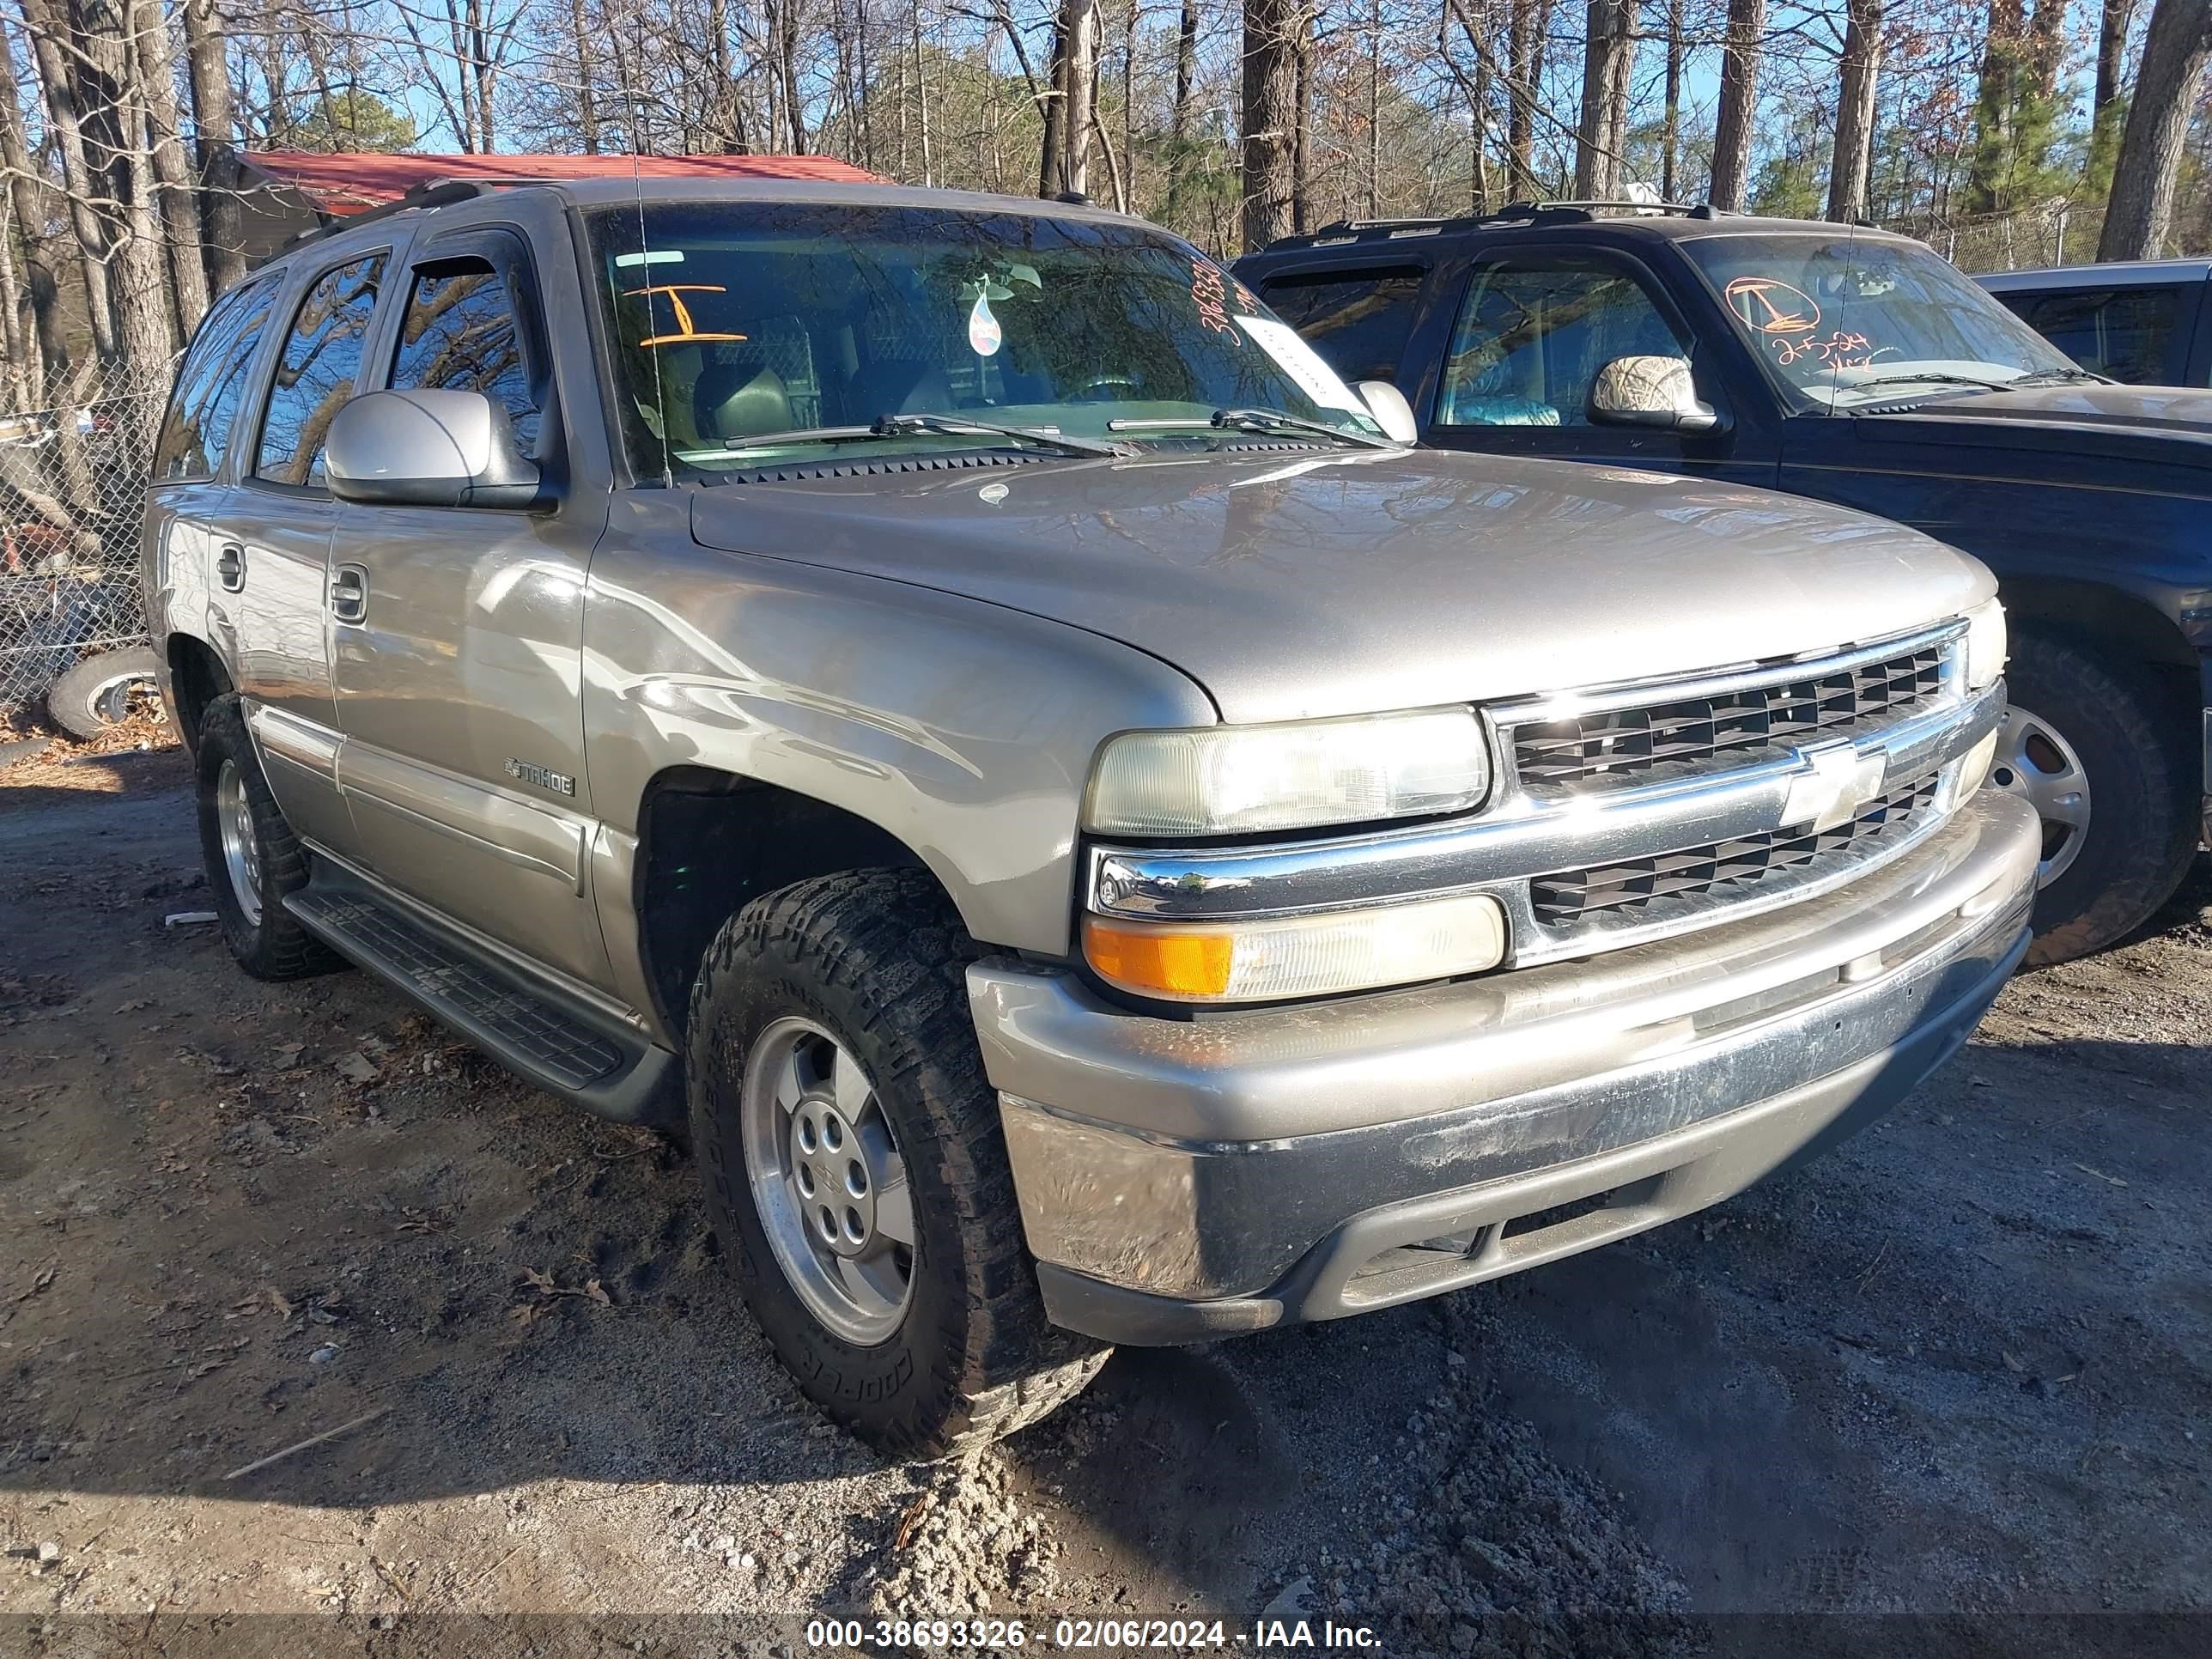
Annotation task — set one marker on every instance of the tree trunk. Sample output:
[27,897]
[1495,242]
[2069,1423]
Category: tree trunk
[222,234]
[2114,21]
[21,379]
[922,98]
[115,125]
[77,181]
[1052,160]
[1607,58]
[44,354]
[1186,69]
[172,177]
[2141,210]
[1531,20]
[1732,132]
[1301,129]
[587,94]
[1374,108]
[2109,107]
[1855,112]
[1269,120]
[1671,126]
[1066,168]
[795,109]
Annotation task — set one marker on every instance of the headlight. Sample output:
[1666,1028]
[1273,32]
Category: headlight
[1311,955]
[1985,646]
[1235,779]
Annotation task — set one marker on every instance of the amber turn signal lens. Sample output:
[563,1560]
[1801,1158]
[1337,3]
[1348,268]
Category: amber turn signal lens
[1276,957]
[1141,957]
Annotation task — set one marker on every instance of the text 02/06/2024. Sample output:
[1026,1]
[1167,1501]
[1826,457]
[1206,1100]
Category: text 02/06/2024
[1087,1634]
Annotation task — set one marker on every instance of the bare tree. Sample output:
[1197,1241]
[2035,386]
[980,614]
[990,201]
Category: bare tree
[1530,29]
[43,23]
[214,129]
[1734,126]
[1270,116]
[2175,51]
[1854,111]
[1609,58]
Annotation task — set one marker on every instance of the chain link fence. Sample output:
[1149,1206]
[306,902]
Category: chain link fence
[73,459]
[2057,232]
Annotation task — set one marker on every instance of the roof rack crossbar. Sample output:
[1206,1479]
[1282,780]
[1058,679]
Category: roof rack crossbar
[1513,213]
[431,193]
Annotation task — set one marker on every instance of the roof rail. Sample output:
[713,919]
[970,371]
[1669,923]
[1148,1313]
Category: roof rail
[431,193]
[1514,213]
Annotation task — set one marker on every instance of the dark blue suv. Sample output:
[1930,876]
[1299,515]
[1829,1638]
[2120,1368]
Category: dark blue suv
[1860,367]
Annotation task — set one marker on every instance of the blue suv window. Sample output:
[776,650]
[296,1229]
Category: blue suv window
[1358,320]
[2125,333]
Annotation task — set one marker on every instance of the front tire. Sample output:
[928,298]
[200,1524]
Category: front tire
[253,859]
[855,1172]
[2090,741]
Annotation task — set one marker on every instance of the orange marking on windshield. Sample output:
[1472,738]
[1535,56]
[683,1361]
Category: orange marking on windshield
[685,332]
[1773,306]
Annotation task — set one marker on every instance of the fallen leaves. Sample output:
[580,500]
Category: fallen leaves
[549,1295]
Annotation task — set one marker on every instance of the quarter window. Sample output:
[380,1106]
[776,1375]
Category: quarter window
[203,408]
[1358,320]
[2124,332]
[316,375]
[1532,334]
[461,332]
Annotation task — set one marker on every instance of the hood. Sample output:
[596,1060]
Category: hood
[1350,582]
[2167,429]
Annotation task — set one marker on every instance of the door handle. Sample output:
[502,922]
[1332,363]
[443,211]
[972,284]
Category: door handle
[350,593]
[230,567]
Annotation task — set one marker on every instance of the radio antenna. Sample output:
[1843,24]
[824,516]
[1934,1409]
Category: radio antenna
[645,262]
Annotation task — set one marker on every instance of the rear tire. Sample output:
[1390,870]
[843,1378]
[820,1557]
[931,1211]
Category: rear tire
[2120,720]
[96,693]
[253,859]
[955,1350]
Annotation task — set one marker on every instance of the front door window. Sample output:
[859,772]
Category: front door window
[1534,332]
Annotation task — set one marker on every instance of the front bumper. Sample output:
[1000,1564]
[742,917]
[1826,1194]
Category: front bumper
[1180,1180]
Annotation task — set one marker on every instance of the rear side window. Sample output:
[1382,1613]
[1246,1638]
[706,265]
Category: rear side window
[316,374]
[195,430]
[1358,320]
[462,333]
[2125,333]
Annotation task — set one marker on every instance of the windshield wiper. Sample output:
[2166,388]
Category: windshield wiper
[1927,377]
[909,426]
[2044,377]
[1276,420]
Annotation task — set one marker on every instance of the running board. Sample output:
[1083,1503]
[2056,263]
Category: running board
[541,1035]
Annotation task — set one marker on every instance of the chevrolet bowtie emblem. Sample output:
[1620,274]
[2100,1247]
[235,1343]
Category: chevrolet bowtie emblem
[1841,781]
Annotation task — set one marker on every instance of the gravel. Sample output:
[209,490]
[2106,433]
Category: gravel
[1959,1366]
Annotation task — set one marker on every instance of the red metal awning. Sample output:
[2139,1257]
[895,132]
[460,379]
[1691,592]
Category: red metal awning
[336,185]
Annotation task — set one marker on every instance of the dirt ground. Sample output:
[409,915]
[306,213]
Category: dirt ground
[1946,1391]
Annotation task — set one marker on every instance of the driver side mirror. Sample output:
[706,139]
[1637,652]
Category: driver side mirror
[1391,410]
[1659,393]
[428,448]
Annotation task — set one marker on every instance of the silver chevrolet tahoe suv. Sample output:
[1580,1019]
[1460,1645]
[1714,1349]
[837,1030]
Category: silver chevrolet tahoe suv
[947,700]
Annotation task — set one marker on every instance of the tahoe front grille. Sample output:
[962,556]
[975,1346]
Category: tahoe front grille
[1645,743]
[1664,882]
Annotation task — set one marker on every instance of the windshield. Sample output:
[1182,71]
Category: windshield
[736,322]
[1841,320]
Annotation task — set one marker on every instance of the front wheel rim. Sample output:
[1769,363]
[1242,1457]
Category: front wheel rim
[2034,761]
[828,1183]
[241,850]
